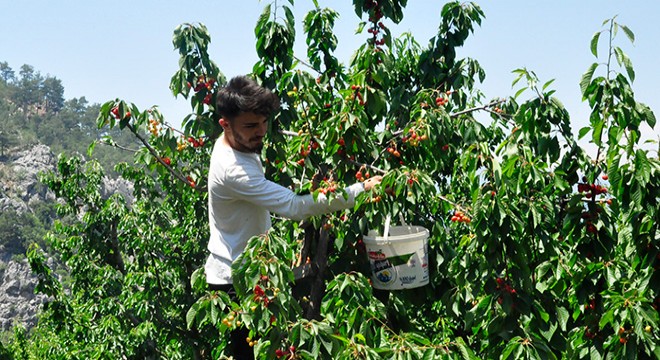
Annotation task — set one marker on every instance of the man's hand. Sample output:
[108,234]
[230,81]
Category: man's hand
[371,182]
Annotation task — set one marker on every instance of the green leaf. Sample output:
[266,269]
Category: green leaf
[545,86]
[642,168]
[594,354]
[584,131]
[190,316]
[562,316]
[628,33]
[586,79]
[511,346]
[90,148]
[598,131]
[463,349]
[594,44]
[214,314]
[650,116]
[519,92]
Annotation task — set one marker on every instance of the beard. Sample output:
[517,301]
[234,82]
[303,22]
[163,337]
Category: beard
[253,145]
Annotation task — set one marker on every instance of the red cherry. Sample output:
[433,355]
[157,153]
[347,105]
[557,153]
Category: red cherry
[167,161]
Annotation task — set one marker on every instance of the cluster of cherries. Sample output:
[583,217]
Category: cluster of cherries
[115,113]
[154,127]
[590,191]
[413,138]
[441,100]
[231,320]
[504,286]
[327,186]
[375,16]
[280,353]
[460,217]
[356,93]
[196,142]
[204,84]
[304,151]
[183,143]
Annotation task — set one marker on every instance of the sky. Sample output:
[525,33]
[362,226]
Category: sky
[123,49]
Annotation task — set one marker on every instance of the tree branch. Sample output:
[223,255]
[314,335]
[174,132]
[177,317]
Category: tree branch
[117,146]
[153,152]
[483,107]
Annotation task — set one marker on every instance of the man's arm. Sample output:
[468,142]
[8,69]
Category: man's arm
[256,189]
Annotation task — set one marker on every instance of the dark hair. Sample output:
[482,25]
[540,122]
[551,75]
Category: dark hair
[243,95]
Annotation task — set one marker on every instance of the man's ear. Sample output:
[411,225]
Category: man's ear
[224,123]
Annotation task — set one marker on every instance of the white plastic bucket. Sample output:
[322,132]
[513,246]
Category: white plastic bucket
[399,258]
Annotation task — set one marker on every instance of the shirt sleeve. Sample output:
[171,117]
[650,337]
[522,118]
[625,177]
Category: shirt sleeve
[251,185]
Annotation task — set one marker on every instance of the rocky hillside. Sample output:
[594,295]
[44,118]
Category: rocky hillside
[23,197]
[20,190]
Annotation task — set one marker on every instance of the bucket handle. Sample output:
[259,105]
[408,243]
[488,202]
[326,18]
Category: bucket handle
[388,219]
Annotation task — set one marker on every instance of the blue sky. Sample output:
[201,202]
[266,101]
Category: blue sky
[105,50]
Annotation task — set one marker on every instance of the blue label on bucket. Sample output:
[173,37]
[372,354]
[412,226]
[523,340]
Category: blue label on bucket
[385,276]
[383,271]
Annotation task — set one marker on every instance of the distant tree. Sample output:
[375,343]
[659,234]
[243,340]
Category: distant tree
[8,137]
[9,130]
[6,72]
[27,91]
[53,94]
[18,230]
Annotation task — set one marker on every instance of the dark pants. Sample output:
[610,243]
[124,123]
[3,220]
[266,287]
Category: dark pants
[238,346]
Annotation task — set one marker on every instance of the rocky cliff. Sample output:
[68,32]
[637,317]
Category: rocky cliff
[20,192]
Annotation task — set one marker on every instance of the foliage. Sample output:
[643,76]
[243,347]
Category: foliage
[19,229]
[537,249]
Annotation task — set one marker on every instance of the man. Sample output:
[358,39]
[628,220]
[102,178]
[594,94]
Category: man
[241,199]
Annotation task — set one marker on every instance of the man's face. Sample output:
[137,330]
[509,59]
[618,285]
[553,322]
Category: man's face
[246,132]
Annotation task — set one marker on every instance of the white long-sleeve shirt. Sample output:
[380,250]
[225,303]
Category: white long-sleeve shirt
[240,202]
